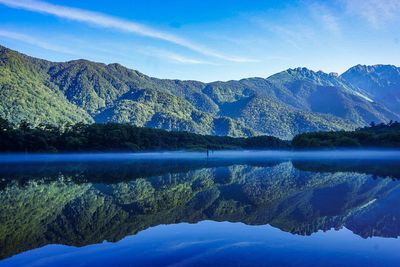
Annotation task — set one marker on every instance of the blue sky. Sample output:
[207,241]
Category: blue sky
[207,40]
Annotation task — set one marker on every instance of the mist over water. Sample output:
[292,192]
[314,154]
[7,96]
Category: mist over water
[212,155]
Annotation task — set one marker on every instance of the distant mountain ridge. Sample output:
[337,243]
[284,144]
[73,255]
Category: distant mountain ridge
[380,82]
[284,104]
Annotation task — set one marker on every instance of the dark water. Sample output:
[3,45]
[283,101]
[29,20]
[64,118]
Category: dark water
[232,209]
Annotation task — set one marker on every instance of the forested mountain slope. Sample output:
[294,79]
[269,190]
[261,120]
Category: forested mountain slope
[291,102]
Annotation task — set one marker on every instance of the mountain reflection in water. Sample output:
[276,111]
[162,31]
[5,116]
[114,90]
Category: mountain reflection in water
[83,203]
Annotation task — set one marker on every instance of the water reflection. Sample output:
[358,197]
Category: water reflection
[82,203]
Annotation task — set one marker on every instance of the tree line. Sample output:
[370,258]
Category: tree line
[118,137]
[125,137]
[374,136]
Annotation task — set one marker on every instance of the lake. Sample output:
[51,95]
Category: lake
[241,208]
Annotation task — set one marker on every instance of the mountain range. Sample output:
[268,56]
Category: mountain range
[282,105]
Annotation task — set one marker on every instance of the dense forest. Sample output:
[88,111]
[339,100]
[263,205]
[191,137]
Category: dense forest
[125,137]
[118,137]
[375,136]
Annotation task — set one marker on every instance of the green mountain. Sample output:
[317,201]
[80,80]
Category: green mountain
[283,105]
[26,94]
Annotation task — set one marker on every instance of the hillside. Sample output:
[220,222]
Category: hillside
[283,105]
[26,94]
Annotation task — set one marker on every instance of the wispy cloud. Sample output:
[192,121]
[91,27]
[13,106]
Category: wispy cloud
[295,35]
[34,41]
[171,56]
[149,51]
[325,17]
[301,27]
[106,21]
[376,12]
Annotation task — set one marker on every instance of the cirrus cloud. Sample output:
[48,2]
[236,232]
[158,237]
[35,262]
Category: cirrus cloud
[376,12]
[34,41]
[107,21]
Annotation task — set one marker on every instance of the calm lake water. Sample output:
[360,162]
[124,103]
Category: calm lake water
[184,209]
